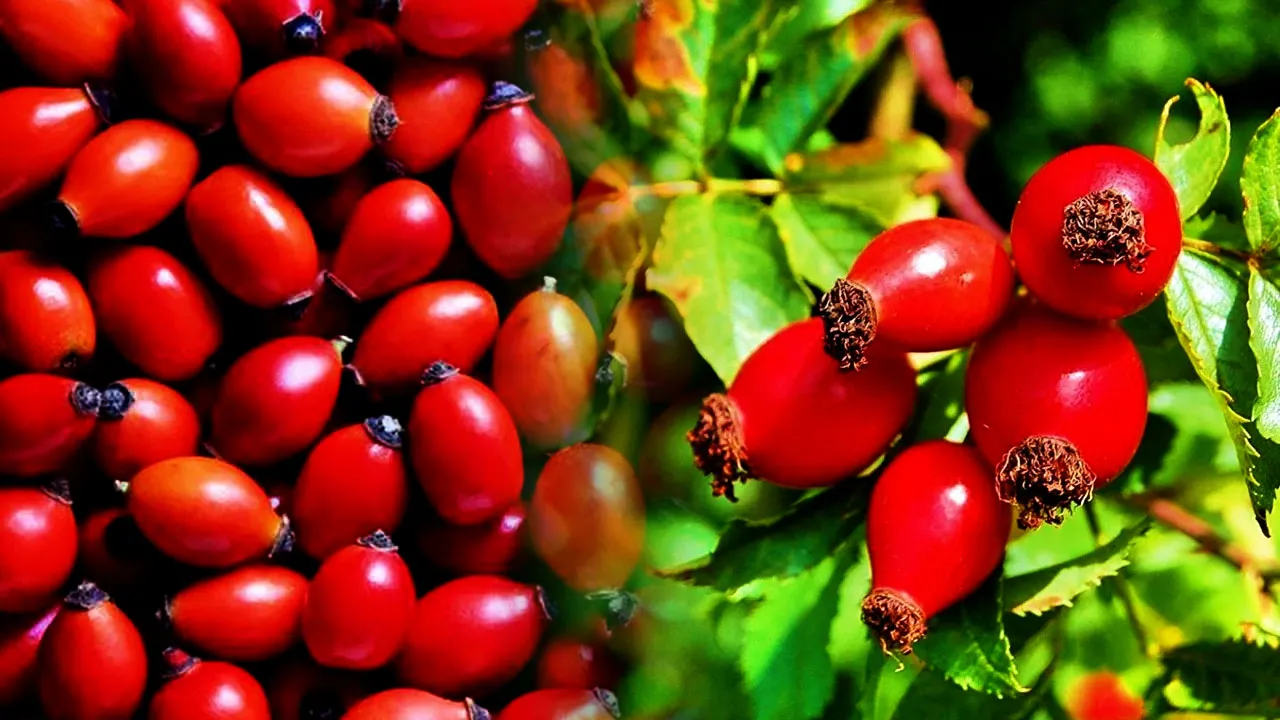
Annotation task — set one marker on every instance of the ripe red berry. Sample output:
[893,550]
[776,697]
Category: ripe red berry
[352,484]
[275,400]
[369,44]
[569,663]
[188,56]
[1058,406]
[923,286]
[493,547]
[450,320]
[249,614]
[472,635]
[511,186]
[438,101]
[37,545]
[586,518]
[563,704]
[196,689]
[46,321]
[253,238]
[44,420]
[43,129]
[359,606]
[92,663]
[450,29]
[1102,695]
[125,181]
[155,311]
[544,366]
[206,513]
[408,704]
[935,531]
[464,447]
[396,236]
[311,116]
[20,637]
[42,35]
[275,28]
[141,422]
[661,359]
[1097,232]
[568,93]
[793,418]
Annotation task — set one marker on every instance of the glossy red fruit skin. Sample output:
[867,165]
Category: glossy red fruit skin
[65,52]
[208,690]
[359,606]
[44,420]
[204,512]
[1039,373]
[494,547]
[155,310]
[276,28]
[189,58]
[127,180]
[1102,695]
[937,284]
[92,663]
[20,637]
[935,529]
[252,236]
[43,129]
[439,102]
[249,614]
[544,367]
[408,704]
[563,704]
[450,320]
[471,635]
[47,323]
[661,359]
[141,422]
[114,555]
[353,483]
[449,29]
[513,207]
[310,116]
[37,546]
[464,448]
[396,236]
[1088,290]
[586,518]
[572,664]
[275,400]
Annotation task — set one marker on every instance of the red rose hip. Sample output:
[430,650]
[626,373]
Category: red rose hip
[141,422]
[196,689]
[37,545]
[493,547]
[275,28]
[43,129]
[20,637]
[563,704]
[409,704]
[249,614]
[65,41]
[44,420]
[47,323]
[438,101]
[569,663]
[450,29]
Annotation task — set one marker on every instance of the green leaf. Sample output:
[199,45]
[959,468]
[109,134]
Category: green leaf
[943,407]
[1264,338]
[967,643]
[1231,677]
[790,30]
[720,262]
[1208,306]
[784,547]
[785,665]
[807,88]
[1038,592]
[1261,187]
[821,240]
[1195,166]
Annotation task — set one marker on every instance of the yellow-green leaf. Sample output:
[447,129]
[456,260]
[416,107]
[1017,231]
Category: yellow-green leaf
[1193,168]
[822,240]
[1264,338]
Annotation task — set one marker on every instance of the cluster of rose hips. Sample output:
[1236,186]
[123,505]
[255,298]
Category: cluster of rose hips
[1055,390]
[195,316]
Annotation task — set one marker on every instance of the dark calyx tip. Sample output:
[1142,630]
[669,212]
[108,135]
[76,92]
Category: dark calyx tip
[618,607]
[86,596]
[383,120]
[504,94]
[608,701]
[475,712]
[385,430]
[302,33]
[284,538]
[61,220]
[1105,228]
[536,39]
[104,102]
[848,315]
[378,540]
[897,620]
[178,662]
[85,398]
[718,447]
[383,10]
[437,372]
[1045,477]
[59,489]
[114,401]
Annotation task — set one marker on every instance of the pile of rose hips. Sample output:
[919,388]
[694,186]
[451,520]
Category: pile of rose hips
[211,315]
[1055,390]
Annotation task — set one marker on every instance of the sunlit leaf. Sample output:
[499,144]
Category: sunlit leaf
[1260,183]
[1195,166]
[1264,338]
[821,240]
[967,643]
[788,31]
[1043,590]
